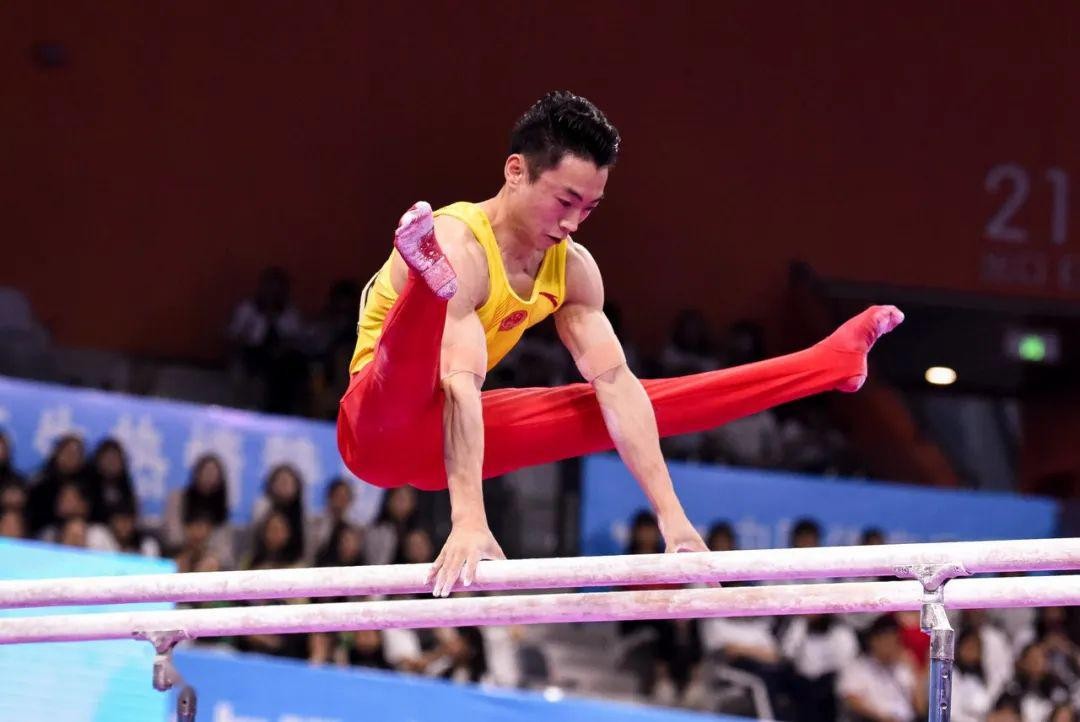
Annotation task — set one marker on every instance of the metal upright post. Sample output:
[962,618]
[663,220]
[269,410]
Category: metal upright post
[942,646]
[934,622]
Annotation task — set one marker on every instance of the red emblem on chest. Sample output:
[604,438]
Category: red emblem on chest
[551,297]
[513,320]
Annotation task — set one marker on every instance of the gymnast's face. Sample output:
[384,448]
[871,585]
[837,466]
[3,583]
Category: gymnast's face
[550,207]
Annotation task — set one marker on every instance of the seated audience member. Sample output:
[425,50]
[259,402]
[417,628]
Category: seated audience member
[398,516]
[1056,629]
[205,497]
[274,550]
[108,481]
[817,647]
[337,510]
[1063,713]
[123,524]
[883,683]
[998,660]
[283,492]
[268,333]
[66,465]
[71,506]
[344,547]
[1035,688]
[12,524]
[972,696]
[196,543]
[690,350]
[274,547]
[8,474]
[364,648]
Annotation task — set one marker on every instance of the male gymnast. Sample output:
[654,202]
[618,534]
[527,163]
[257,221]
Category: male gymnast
[458,291]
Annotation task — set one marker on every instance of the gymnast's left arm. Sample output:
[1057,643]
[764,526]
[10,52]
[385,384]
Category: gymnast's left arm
[628,413]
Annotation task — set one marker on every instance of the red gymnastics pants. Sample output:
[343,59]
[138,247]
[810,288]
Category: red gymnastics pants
[390,419]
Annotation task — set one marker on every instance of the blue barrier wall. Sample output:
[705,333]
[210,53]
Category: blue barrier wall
[259,689]
[763,506]
[85,682]
[164,438]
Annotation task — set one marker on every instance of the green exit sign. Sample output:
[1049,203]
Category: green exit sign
[1031,346]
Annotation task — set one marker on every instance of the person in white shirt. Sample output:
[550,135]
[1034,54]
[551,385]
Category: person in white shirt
[972,696]
[817,647]
[882,684]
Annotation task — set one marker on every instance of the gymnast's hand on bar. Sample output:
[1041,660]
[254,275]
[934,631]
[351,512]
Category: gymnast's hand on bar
[680,535]
[468,543]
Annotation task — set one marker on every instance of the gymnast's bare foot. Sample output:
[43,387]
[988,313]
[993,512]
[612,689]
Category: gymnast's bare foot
[415,240]
[858,335]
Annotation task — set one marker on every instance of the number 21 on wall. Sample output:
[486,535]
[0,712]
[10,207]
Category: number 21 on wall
[1015,179]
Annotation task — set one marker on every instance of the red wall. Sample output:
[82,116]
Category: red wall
[186,146]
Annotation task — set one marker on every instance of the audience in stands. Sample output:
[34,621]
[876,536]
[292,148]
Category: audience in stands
[9,476]
[66,465]
[884,682]
[398,515]
[336,513]
[203,502]
[108,481]
[268,333]
[283,493]
[810,669]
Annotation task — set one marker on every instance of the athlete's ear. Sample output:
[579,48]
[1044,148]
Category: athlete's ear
[516,170]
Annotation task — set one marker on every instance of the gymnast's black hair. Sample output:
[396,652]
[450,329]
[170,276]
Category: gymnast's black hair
[561,123]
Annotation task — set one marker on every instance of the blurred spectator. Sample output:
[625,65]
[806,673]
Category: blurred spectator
[721,537]
[204,498]
[613,311]
[12,524]
[882,683]
[8,475]
[333,338]
[416,548]
[274,549]
[690,350]
[1006,709]
[397,516]
[195,546]
[1063,713]
[411,650]
[108,481]
[817,646]
[872,536]
[806,533]
[1034,686]
[972,694]
[268,331]
[662,653]
[752,440]
[364,648]
[65,465]
[283,492]
[344,547]
[998,660]
[1055,629]
[459,655]
[123,524]
[73,532]
[72,506]
[339,500]
[275,546]
[13,496]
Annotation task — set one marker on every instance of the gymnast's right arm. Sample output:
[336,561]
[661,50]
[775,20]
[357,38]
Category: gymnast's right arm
[462,370]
